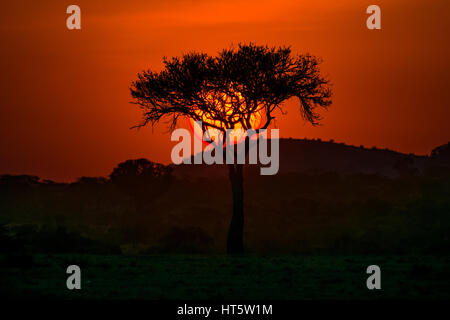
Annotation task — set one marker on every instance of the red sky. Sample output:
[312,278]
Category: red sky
[65,108]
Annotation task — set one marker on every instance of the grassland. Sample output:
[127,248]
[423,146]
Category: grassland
[217,277]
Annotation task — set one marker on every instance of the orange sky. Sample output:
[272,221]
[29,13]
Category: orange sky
[65,108]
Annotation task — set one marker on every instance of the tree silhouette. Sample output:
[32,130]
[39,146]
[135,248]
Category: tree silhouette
[225,92]
[142,180]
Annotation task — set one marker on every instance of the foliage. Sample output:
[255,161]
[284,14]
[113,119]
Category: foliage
[225,91]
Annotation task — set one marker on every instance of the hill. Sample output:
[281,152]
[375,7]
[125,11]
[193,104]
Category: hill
[316,156]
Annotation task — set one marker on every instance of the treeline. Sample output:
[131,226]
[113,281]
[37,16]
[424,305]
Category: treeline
[143,207]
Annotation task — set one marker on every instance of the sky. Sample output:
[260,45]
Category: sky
[65,103]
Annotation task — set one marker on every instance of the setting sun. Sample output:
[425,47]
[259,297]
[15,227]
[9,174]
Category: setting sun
[226,108]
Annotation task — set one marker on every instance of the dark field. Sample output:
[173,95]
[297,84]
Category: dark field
[308,235]
[282,277]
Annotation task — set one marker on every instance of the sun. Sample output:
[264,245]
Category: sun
[226,108]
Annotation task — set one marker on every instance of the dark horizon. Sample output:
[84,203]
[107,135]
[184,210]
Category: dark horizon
[42,178]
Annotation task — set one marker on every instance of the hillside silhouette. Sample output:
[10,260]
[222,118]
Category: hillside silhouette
[317,156]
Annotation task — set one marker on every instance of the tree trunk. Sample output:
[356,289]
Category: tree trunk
[235,240]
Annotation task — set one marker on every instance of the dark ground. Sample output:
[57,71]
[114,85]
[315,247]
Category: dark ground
[274,277]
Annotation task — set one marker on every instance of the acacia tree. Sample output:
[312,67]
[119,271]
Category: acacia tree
[225,92]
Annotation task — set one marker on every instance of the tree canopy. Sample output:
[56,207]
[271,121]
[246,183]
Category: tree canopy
[226,90]
[142,178]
